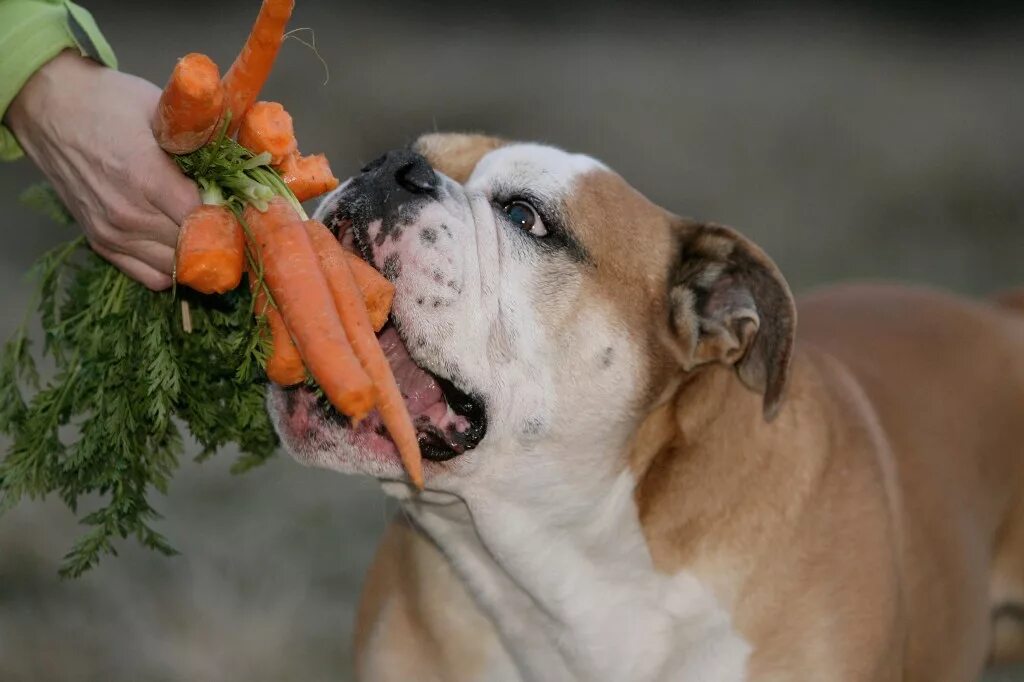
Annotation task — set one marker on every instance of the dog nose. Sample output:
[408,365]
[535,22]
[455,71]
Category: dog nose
[406,168]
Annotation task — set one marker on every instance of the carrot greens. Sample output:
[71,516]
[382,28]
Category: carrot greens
[127,371]
[104,428]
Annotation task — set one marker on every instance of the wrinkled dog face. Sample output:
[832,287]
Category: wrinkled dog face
[530,284]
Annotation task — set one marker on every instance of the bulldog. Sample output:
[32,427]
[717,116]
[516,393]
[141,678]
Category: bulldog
[637,469]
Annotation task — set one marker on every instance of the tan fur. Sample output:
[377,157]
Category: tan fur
[456,154]
[738,502]
[868,532]
[923,385]
[412,603]
[1007,580]
[629,261]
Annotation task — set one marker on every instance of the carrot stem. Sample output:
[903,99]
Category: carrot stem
[269,177]
[186,317]
[210,193]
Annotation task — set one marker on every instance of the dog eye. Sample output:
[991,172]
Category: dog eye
[526,217]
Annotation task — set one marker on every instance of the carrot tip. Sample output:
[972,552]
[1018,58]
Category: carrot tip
[190,105]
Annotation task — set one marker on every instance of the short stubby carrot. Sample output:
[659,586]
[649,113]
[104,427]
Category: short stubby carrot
[291,270]
[190,106]
[349,302]
[307,176]
[267,127]
[248,73]
[211,250]
[284,365]
[378,292]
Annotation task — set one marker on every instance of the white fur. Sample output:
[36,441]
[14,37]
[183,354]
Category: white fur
[580,599]
[540,520]
[546,171]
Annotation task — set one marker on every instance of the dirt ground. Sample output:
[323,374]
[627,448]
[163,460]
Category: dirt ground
[846,147]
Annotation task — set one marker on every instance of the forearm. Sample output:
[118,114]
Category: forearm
[33,32]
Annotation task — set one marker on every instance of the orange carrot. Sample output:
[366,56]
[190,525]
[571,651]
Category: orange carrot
[284,366]
[248,73]
[267,127]
[211,250]
[190,106]
[349,302]
[377,291]
[307,176]
[292,272]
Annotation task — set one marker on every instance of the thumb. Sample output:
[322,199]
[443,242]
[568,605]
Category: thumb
[170,191]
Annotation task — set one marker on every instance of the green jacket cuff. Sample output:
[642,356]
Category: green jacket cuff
[32,32]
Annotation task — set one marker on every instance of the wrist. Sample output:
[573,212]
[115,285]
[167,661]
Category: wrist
[35,100]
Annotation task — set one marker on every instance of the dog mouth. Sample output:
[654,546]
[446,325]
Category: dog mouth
[448,420]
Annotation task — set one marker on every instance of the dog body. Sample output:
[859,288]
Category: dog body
[673,484]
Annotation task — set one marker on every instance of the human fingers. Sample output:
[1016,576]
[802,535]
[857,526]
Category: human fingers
[167,188]
[134,268]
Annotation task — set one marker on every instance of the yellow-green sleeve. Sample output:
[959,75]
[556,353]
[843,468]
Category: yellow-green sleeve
[32,32]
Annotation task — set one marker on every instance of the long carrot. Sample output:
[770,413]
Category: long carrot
[284,366]
[267,127]
[378,293]
[307,176]
[211,250]
[190,106]
[292,272]
[249,72]
[349,303]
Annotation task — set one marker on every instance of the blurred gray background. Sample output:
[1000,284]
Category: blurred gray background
[851,141]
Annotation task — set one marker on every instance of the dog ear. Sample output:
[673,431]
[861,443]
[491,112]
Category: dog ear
[728,303]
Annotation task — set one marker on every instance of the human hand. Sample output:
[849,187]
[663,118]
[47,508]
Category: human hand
[88,128]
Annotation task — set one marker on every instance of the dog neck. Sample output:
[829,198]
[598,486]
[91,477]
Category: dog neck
[565,571]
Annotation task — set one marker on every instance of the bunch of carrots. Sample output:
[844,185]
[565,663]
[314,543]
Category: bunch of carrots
[322,303]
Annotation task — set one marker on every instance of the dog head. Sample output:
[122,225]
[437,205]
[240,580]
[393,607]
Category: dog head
[542,306]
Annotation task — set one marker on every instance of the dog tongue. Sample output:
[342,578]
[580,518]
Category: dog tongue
[420,390]
[423,395]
